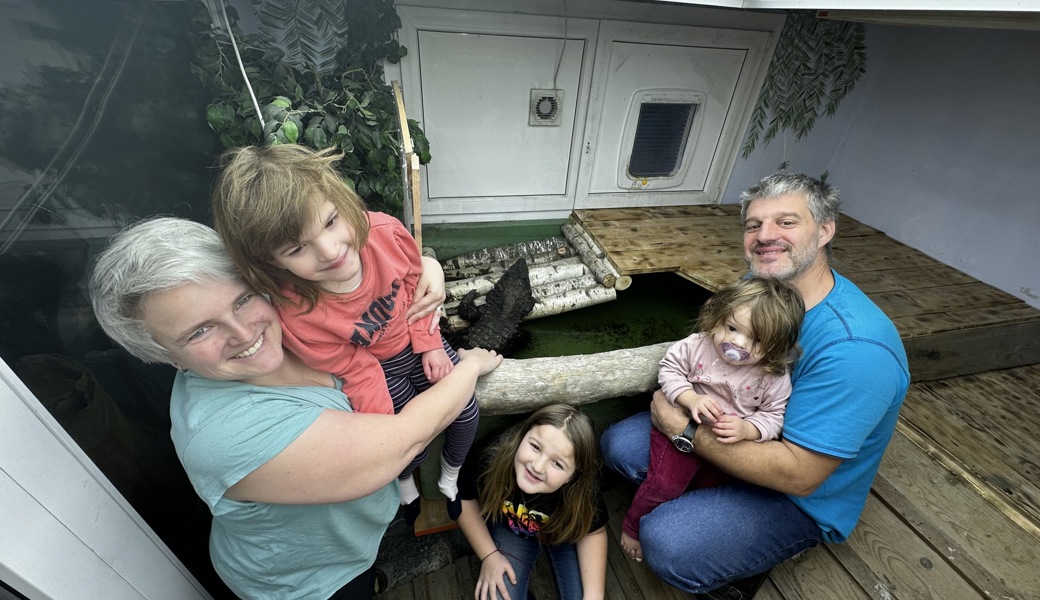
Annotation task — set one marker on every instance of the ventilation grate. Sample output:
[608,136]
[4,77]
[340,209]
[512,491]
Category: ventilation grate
[546,108]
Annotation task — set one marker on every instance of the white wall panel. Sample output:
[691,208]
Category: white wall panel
[476,92]
[469,72]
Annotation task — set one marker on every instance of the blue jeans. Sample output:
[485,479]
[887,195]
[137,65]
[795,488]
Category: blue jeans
[523,553]
[706,538]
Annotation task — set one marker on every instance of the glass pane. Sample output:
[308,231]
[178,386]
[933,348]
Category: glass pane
[6,593]
[660,139]
[101,122]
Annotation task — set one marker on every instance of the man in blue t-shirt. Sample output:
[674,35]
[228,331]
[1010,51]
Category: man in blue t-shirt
[848,386]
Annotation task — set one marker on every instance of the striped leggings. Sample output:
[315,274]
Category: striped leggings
[405,380]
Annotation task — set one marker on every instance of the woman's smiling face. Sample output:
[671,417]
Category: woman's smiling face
[544,461]
[219,330]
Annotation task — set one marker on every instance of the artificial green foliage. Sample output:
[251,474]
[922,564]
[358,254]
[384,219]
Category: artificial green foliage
[316,69]
[306,32]
[816,63]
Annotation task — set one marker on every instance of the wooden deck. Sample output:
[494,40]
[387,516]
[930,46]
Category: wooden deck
[955,510]
[951,324]
[953,514]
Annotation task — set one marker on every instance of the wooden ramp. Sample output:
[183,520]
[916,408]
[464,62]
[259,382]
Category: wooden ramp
[951,324]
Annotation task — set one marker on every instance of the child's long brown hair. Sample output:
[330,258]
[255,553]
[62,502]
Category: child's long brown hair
[264,199]
[571,521]
[777,311]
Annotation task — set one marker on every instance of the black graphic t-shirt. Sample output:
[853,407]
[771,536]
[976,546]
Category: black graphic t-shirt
[525,515]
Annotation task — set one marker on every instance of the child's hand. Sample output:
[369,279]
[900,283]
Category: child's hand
[487,359]
[436,364]
[700,406]
[492,570]
[731,428]
[429,294]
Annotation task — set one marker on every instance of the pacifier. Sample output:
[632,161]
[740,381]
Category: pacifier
[733,353]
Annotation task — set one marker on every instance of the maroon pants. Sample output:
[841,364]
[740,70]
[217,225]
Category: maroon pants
[669,474]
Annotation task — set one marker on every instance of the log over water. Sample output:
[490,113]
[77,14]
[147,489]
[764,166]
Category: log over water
[522,385]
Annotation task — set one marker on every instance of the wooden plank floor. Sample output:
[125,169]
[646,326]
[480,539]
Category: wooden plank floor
[951,324]
[955,510]
[951,516]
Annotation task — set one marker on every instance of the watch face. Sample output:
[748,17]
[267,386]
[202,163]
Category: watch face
[682,444]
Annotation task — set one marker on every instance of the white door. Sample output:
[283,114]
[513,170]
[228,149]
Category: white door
[687,92]
[67,532]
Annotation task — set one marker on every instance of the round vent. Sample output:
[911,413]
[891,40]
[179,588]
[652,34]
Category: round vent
[546,108]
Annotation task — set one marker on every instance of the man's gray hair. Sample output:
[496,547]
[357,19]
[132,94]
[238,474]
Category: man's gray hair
[823,199]
[146,258]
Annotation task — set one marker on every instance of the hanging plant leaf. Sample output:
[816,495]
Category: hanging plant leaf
[308,34]
[815,65]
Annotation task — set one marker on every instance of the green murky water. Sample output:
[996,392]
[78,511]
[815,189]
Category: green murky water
[658,307]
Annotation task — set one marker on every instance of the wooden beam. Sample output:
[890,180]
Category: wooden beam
[412,201]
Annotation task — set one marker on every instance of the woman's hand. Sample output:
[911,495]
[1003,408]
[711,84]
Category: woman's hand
[486,360]
[492,570]
[429,294]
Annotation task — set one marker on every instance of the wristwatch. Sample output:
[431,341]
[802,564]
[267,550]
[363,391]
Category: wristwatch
[684,441]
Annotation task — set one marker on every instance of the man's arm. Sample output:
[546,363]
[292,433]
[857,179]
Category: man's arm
[778,465]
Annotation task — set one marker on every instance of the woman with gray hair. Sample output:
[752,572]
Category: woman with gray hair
[301,488]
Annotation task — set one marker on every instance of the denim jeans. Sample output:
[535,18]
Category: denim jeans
[523,553]
[668,475]
[708,537]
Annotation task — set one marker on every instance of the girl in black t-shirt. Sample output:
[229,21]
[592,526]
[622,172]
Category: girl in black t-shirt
[538,491]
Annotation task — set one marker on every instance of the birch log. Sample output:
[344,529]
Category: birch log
[623,282]
[537,292]
[556,288]
[571,300]
[595,258]
[567,268]
[501,266]
[522,385]
[504,252]
[551,305]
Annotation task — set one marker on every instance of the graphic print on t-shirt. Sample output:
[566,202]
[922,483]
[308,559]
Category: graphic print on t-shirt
[372,326]
[523,522]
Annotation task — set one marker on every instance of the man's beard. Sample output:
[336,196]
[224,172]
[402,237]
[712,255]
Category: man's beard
[798,261]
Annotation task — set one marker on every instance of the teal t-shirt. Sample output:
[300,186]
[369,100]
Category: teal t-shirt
[224,430]
[848,387]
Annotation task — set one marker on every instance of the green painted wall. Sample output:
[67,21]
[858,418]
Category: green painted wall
[450,240]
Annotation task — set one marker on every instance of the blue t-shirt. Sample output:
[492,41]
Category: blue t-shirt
[848,387]
[224,430]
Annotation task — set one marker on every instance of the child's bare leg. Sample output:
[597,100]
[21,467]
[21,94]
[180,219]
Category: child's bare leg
[632,547]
